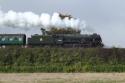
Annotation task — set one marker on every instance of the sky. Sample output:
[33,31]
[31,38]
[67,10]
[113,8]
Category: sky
[105,17]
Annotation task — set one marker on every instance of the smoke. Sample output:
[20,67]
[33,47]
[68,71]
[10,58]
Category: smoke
[30,19]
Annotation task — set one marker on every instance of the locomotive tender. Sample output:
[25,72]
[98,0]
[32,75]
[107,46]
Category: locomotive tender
[62,40]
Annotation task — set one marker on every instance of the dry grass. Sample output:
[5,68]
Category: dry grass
[62,78]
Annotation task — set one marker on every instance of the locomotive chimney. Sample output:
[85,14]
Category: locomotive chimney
[43,31]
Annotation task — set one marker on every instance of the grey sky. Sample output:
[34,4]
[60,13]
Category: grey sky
[106,17]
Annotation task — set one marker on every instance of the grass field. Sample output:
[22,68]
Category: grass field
[62,78]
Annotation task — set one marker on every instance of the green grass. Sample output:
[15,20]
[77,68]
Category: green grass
[66,69]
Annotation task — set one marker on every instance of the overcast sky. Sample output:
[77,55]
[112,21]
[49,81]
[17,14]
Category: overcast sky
[106,17]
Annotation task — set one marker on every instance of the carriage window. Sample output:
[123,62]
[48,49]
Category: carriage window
[11,39]
[3,39]
[20,39]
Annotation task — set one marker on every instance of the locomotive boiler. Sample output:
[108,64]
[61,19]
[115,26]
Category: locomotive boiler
[66,40]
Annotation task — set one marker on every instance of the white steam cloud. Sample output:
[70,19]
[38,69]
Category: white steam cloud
[30,19]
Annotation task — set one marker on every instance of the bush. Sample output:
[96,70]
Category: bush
[37,59]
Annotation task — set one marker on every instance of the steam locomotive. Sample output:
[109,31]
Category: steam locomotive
[63,40]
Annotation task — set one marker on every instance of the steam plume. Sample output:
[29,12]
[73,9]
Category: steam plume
[30,19]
